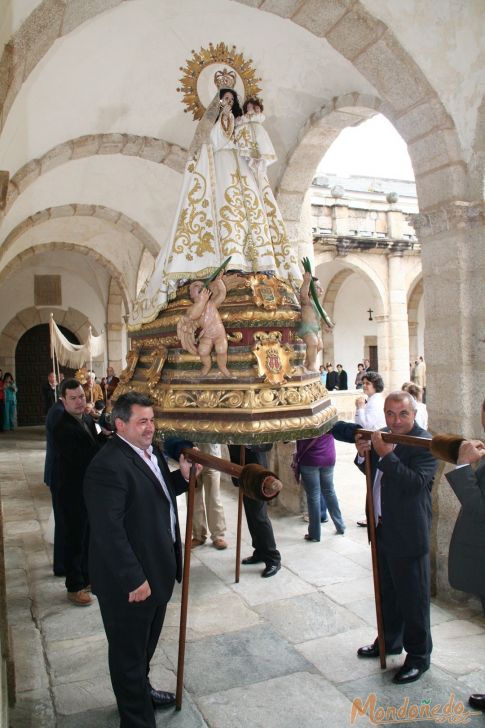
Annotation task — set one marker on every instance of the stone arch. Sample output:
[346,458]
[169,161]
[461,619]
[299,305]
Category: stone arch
[333,289]
[410,101]
[148,148]
[328,303]
[24,320]
[47,22]
[19,260]
[116,218]
[353,264]
[319,132]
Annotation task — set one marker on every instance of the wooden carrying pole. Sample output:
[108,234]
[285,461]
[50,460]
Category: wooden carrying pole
[397,439]
[185,588]
[223,466]
[242,460]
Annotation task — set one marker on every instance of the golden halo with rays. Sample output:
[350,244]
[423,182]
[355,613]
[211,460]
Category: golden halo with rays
[200,60]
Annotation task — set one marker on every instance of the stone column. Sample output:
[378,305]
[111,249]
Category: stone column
[394,224]
[453,256]
[397,324]
[383,346]
[413,340]
[114,329]
[304,231]
[341,219]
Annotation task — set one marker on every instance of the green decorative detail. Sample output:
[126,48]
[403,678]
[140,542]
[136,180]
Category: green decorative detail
[321,311]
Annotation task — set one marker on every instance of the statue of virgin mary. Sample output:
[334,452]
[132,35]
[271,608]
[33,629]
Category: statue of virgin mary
[222,211]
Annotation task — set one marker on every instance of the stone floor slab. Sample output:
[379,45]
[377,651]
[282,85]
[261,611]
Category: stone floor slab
[349,591]
[303,699]
[78,659]
[321,567]
[459,655]
[30,671]
[434,688]
[33,709]
[239,658]
[262,653]
[203,582]
[76,622]
[336,656]
[211,616]
[307,617]
[256,590]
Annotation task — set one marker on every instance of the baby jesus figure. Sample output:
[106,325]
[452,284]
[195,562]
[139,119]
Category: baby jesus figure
[253,140]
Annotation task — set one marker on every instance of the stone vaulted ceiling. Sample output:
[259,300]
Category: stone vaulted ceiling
[94,134]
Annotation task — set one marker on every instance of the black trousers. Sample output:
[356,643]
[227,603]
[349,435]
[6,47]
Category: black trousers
[256,511]
[76,538]
[132,631]
[59,537]
[405,590]
[261,530]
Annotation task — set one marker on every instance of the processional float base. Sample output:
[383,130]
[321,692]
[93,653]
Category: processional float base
[269,397]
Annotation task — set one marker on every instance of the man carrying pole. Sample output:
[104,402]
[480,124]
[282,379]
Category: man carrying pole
[135,552]
[402,478]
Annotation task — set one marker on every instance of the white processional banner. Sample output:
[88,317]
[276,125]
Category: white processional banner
[74,355]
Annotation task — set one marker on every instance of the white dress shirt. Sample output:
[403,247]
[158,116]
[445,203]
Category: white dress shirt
[150,459]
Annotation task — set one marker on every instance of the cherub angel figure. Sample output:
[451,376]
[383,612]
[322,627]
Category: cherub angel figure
[311,321]
[203,315]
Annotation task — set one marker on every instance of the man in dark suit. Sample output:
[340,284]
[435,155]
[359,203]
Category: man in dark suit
[332,378]
[76,442]
[402,479]
[52,480]
[50,392]
[466,563]
[135,552]
[342,378]
[109,384]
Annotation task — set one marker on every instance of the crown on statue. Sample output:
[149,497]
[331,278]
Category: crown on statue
[225,78]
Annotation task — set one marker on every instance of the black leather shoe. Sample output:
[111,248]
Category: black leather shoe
[477,700]
[251,560]
[373,651]
[271,570]
[161,699]
[408,674]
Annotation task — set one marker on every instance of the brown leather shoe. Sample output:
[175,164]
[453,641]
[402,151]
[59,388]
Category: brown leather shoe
[197,542]
[220,544]
[80,598]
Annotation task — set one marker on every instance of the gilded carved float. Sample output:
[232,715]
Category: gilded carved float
[269,396]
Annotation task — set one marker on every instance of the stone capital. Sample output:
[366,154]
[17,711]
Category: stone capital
[454,216]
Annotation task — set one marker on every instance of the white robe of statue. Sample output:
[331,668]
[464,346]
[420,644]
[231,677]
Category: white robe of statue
[224,210]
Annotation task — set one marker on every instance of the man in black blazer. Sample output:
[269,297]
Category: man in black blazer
[402,479]
[135,552]
[51,479]
[466,562]
[76,443]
